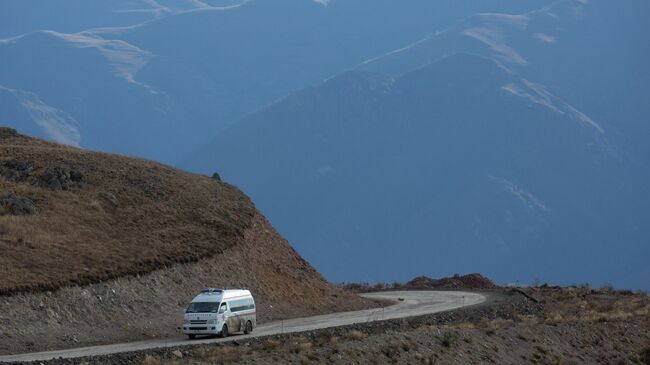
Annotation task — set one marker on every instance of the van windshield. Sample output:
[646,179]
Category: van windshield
[203,307]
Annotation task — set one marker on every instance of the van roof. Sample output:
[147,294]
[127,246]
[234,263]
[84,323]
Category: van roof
[217,295]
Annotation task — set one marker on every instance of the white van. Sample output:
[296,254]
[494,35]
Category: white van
[220,312]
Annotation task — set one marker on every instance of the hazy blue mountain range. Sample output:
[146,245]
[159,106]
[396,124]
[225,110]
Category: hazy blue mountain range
[514,145]
[594,54]
[457,166]
[158,78]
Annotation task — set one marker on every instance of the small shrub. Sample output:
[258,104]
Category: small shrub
[605,307]
[355,335]
[96,205]
[421,359]
[356,287]
[449,339]
[483,324]
[201,354]
[407,346]
[324,338]
[522,337]
[607,288]
[4,225]
[554,318]
[299,347]
[271,345]
[223,353]
[645,356]
[391,350]
[151,360]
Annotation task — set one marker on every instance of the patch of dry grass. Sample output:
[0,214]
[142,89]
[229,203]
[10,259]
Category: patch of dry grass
[221,353]
[151,360]
[489,326]
[271,344]
[354,335]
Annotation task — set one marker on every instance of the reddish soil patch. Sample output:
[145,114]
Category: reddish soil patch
[469,281]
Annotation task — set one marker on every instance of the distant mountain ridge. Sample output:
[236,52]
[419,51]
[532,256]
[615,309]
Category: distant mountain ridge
[583,51]
[167,76]
[459,165]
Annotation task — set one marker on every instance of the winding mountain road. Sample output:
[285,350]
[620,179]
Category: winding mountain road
[408,304]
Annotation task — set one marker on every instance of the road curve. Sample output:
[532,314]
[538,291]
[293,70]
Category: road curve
[408,304]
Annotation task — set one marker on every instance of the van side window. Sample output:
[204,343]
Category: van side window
[223,308]
[242,305]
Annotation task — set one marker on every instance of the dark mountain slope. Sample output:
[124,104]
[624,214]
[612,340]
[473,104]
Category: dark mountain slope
[458,166]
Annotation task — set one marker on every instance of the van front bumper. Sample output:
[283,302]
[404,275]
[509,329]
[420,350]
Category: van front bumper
[200,330]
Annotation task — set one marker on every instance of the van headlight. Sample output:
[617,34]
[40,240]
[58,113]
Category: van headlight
[186,321]
[212,321]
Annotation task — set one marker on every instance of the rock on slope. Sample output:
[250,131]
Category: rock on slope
[117,246]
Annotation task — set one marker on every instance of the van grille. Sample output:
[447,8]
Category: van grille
[199,322]
[198,328]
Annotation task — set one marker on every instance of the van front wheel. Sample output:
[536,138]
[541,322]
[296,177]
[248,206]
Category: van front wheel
[249,327]
[191,337]
[224,331]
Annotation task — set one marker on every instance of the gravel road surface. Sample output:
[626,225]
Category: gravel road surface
[408,304]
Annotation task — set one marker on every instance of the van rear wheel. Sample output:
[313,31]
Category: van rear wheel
[249,327]
[224,331]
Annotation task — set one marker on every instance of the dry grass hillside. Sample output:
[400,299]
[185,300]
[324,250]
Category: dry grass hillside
[101,216]
[92,242]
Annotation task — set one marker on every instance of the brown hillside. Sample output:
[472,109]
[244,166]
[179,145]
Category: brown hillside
[92,238]
[120,216]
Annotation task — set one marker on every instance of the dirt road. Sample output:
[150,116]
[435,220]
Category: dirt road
[408,304]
